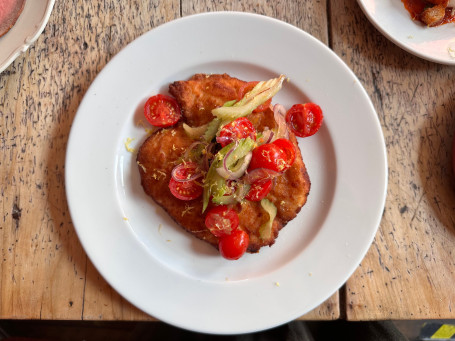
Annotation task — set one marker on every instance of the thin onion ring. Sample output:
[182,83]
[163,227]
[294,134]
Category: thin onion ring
[223,139]
[270,135]
[196,175]
[228,174]
[279,113]
[208,155]
[190,148]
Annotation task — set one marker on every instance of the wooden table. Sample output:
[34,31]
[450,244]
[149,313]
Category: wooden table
[408,272]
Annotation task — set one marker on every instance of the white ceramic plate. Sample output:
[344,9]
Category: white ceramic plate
[170,274]
[25,31]
[436,44]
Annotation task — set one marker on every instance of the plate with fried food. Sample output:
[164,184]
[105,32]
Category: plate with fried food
[229,188]
[233,174]
[424,28]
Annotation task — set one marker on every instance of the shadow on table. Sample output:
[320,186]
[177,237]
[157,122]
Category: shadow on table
[294,331]
[435,162]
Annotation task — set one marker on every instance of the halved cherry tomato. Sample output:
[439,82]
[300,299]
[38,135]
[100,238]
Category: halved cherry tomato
[162,111]
[304,119]
[259,190]
[260,174]
[182,183]
[238,129]
[234,245]
[186,171]
[222,221]
[247,87]
[288,147]
[185,190]
[269,156]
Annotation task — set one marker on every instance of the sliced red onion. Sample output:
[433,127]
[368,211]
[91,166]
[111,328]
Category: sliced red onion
[223,173]
[279,109]
[228,174]
[260,174]
[190,148]
[223,140]
[197,174]
[227,155]
[208,155]
[279,113]
[267,135]
[242,191]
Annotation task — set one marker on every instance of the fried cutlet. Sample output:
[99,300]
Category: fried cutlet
[160,153]
[202,93]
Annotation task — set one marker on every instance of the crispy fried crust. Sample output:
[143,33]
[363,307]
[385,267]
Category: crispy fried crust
[162,151]
[156,158]
[202,93]
[432,16]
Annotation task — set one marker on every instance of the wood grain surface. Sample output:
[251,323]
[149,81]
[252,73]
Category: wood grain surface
[409,271]
[44,271]
[45,274]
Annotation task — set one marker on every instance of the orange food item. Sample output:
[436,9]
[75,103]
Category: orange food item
[9,12]
[430,12]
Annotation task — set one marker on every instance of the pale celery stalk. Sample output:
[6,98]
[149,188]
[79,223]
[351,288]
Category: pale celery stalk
[214,184]
[266,229]
[262,92]
[195,132]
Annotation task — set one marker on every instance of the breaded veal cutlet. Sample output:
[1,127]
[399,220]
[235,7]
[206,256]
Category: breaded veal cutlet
[160,153]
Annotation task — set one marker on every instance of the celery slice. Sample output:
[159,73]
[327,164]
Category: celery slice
[244,147]
[238,195]
[195,132]
[259,95]
[266,229]
[225,200]
[214,126]
[212,129]
[230,103]
[215,184]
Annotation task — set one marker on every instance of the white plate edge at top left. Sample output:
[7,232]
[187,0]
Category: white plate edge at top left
[25,31]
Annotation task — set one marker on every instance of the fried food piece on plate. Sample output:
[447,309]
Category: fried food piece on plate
[156,158]
[162,151]
[432,16]
[202,93]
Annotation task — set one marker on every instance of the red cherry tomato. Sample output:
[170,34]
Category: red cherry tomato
[269,156]
[162,111]
[238,129]
[234,245]
[247,87]
[182,183]
[259,190]
[186,190]
[288,147]
[222,221]
[304,119]
[186,171]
